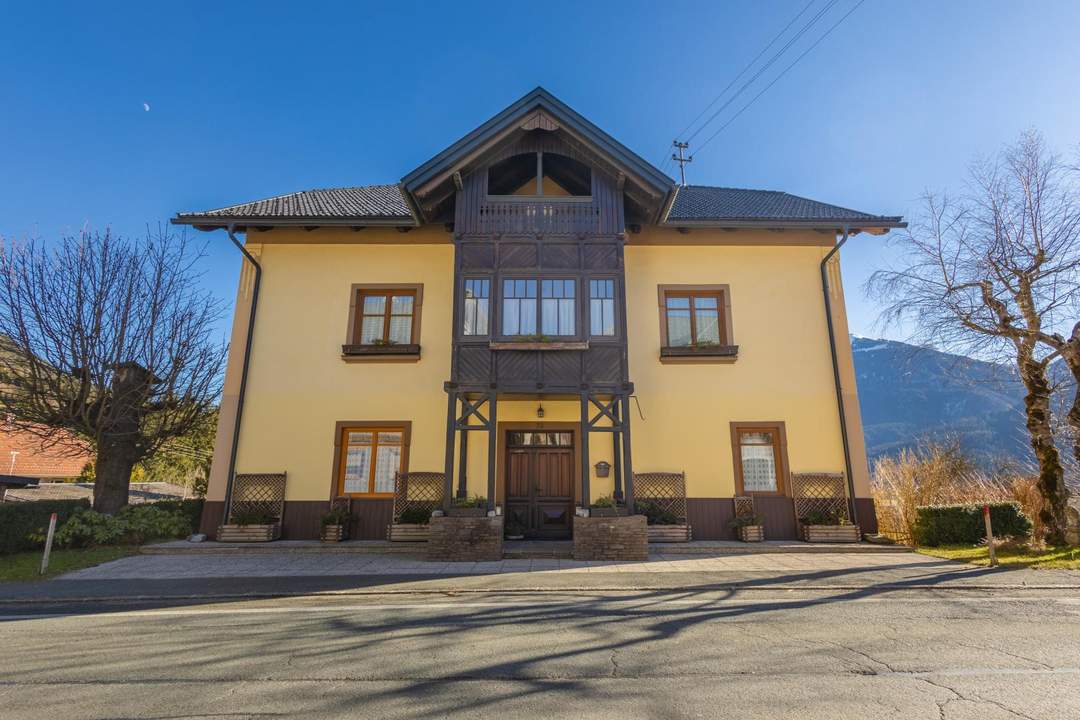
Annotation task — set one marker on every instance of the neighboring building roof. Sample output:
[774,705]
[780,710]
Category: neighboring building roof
[365,202]
[137,493]
[705,204]
[22,453]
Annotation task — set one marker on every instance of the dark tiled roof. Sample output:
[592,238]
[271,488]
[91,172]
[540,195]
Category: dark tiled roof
[365,201]
[702,203]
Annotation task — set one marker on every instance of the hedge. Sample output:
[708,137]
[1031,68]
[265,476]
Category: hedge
[19,519]
[964,525]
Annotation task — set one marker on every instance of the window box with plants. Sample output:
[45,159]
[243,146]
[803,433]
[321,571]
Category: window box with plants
[537,342]
[380,347]
[606,507]
[749,528]
[475,506]
[335,525]
[250,526]
[700,349]
[824,527]
[663,526]
[411,525]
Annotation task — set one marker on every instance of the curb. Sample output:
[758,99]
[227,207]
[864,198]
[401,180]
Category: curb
[530,590]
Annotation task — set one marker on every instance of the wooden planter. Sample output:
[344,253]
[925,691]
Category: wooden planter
[830,533]
[399,532]
[669,533]
[752,533]
[334,533]
[248,533]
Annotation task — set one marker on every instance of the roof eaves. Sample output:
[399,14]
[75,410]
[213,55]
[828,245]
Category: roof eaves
[538,97]
[303,221]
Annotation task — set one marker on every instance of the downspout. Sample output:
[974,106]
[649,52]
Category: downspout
[836,372]
[243,370]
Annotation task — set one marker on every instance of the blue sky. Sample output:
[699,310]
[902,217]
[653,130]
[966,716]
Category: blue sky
[259,99]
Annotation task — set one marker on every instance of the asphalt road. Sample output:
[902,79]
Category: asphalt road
[644,654]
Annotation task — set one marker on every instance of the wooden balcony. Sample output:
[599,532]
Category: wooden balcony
[552,217]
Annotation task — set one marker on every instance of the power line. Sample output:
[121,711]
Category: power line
[776,56]
[782,73]
[748,66]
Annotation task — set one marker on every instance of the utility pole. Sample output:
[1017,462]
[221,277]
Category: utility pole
[681,160]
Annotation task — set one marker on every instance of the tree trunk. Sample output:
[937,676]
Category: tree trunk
[116,457]
[1051,473]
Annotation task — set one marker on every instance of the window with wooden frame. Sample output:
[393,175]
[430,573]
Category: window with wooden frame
[760,455]
[554,312]
[370,457]
[695,321]
[475,306]
[384,320]
[602,307]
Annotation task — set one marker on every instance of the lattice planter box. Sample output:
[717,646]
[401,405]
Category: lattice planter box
[334,533]
[752,533]
[248,533]
[400,532]
[830,533]
[669,533]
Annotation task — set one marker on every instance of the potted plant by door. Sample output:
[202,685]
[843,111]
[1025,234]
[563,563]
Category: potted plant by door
[515,530]
[749,528]
[475,506]
[335,525]
[604,506]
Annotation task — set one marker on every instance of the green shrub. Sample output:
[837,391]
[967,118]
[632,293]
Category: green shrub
[963,524]
[654,515]
[337,516]
[415,516]
[133,525]
[604,501]
[253,517]
[476,501]
[818,517]
[191,509]
[18,521]
[745,521]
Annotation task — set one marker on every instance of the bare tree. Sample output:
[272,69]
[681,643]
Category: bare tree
[995,273]
[112,340]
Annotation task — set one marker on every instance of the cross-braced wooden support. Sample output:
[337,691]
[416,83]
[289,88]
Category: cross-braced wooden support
[471,418]
[616,410]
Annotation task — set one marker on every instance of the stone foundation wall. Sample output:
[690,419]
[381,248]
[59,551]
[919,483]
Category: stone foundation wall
[467,539]
[611,538]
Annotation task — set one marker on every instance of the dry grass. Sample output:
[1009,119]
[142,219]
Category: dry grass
[940,474]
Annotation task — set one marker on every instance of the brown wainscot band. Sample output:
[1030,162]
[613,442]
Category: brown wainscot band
[709,518]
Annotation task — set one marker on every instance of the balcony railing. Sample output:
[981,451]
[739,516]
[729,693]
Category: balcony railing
[559,217]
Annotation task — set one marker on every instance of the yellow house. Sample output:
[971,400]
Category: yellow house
[544,319]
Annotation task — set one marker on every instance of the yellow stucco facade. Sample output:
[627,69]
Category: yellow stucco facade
[299,386]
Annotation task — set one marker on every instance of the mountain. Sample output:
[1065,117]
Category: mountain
[907,393]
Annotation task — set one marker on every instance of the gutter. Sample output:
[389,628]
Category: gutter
[836,373]
[243,371]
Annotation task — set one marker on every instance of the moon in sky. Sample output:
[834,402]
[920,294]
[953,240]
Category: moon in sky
[146,107]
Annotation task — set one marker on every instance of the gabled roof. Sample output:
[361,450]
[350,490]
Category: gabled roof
[702,204]
[538,99]
[373,204]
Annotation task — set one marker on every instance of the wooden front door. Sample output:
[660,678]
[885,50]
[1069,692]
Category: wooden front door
[540,483]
